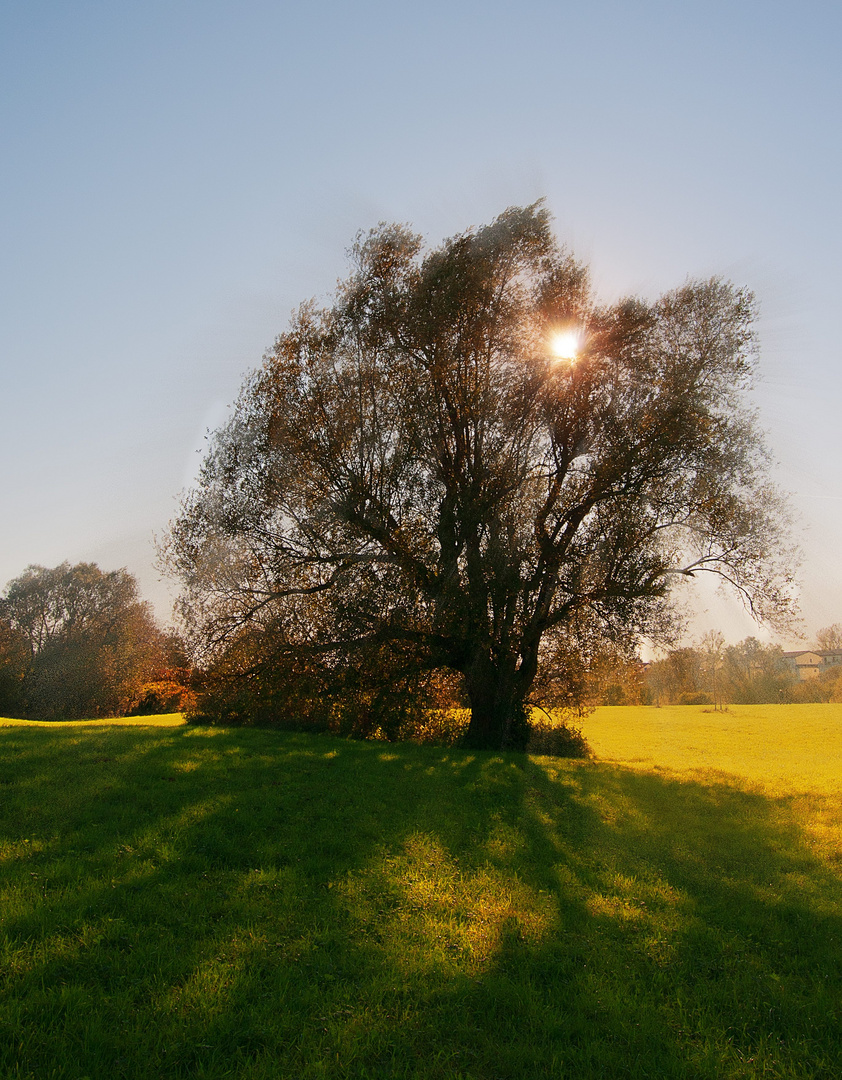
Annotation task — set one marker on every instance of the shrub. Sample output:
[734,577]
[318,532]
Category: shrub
[441,727]
[377,692]
[556,739]
[695,699]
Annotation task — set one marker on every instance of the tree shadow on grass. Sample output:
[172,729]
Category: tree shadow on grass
[713,931]
[249,904]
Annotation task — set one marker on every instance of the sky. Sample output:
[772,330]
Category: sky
[177,176]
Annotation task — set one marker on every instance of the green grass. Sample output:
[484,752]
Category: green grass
[186,902]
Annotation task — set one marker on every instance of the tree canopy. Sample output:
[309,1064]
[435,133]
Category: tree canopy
[417,474]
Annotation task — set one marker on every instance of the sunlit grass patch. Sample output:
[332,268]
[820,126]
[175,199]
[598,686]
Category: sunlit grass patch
[454,912]
[159,720]
[789,753]
[781,748]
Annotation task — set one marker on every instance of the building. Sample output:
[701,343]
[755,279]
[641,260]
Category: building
[810,663]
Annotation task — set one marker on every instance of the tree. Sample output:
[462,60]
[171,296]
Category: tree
[748,673]
[711,647]
[755,673]
[678,677]
[90,642]
[829,638]
[168,685]
[416,469]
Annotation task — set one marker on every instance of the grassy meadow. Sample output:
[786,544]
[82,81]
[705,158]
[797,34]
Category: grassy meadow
[196,902]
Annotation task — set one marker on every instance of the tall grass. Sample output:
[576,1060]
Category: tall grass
[182,902]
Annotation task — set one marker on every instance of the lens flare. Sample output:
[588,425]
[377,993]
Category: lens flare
[565,345]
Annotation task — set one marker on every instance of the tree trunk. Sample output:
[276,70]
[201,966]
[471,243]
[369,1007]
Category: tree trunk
[498,718]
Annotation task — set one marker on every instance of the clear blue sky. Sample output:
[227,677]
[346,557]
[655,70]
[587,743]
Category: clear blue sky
[177,176]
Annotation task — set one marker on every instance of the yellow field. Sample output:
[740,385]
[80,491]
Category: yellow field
[780,748]
[792,754]
[162,720]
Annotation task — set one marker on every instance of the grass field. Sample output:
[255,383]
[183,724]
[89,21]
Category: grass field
[162,720]
[186,902]
[775,747]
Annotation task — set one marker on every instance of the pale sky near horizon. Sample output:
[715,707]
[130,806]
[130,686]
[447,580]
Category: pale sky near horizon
[178,176]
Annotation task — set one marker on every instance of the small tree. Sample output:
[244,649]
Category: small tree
[467,454]
[712,649]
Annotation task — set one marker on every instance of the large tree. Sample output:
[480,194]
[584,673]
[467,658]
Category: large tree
[90,643]
[467,457]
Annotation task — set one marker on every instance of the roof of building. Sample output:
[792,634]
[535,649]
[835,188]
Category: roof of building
[824,653]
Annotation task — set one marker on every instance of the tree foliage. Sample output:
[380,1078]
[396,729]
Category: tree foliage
[14,663]
[85,643]
[754,672]
[413,476]
[829,638]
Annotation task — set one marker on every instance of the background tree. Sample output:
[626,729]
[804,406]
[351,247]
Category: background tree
[14,664]
[420,469]
[90,643]
[169,679]
[679,678]
[712,649]
[829,638]
[754,673]
[713,673]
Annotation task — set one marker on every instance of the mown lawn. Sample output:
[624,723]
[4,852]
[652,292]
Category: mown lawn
[185,902]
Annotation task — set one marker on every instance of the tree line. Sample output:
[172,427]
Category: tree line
[77,642]
[712,672]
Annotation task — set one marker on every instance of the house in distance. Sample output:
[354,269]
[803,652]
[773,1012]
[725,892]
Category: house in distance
[810,663]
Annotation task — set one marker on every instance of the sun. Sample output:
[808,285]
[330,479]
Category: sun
[565,345]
